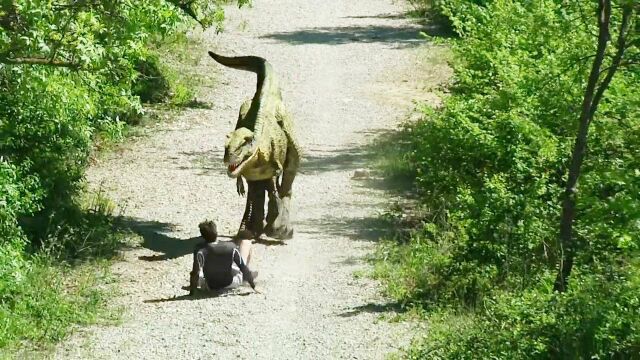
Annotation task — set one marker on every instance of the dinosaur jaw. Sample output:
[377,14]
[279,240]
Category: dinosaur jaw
[235,169]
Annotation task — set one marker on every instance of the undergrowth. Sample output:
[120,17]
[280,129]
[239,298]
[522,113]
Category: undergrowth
[49,300]
[74,80]
[480,255]
[63,283]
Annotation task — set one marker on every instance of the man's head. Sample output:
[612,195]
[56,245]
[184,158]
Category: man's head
[239,150]
[209,231]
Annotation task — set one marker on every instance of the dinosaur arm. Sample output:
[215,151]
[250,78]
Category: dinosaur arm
[240,186]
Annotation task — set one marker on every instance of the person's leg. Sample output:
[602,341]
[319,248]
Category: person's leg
[245,250]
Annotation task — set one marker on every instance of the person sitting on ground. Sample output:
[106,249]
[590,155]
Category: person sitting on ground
[222,264]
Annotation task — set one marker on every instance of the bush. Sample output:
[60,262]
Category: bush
[69,74]
[41,295]
[490,165]
[490,168]
[163,77]
[454,10]
[18,196]
[47,300]
[539,324]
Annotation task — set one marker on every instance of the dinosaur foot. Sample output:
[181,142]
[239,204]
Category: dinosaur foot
[283,233]
[280,226]
[245,234]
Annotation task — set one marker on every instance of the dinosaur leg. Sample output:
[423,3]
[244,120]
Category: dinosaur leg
[282,228]
[252,223]
[273,206]
[256,221]
[243,231]
[279,218]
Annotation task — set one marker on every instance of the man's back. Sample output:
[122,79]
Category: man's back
[215,262]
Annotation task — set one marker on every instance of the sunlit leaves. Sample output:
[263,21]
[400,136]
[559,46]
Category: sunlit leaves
[66,72]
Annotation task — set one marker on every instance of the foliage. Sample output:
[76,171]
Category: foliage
[47,299]
[18,195]
[539,324]
[490,167]
[70,72]
[450,8]
[171,75]
[42,295]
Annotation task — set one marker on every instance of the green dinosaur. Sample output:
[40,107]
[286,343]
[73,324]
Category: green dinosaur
[263,150]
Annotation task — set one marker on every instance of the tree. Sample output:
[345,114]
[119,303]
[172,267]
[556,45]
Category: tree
[593,94]
[88,33]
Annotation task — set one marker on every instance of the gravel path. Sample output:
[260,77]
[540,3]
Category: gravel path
[345,71]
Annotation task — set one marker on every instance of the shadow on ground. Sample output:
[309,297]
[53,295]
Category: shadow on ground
[200,295]
[338,160]
[396,16]
[374,308]
[432,24]
[377,165]
[154,238]
[369,229]
[381,161]
[401,36]
[205,161]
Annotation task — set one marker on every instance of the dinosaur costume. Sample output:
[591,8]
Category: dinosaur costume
[263,150]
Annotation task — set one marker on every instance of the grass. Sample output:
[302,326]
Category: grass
[63,284]
[183,52]
[389,156]
[52,300]
[176,78]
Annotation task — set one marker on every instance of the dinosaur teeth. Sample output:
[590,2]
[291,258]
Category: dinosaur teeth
[233,167]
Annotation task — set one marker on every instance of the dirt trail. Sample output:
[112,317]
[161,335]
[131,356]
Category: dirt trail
[342,65]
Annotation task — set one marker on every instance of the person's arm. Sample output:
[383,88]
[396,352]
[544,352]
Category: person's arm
[193,278]
[246,272]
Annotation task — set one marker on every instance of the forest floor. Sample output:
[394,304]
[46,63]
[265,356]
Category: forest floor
[349,72]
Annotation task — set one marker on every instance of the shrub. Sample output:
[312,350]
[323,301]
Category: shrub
[47,300]
[540,324]
[490,167]
[68,72]
[18,195]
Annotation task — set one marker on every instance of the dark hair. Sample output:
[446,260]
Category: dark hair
[208,231]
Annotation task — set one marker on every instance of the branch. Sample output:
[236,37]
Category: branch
[622,65]
[76,4]
[187,10]
[633,43]
[58,44]
[39,61]
[627,11]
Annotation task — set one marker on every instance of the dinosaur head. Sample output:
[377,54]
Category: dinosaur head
[240,149]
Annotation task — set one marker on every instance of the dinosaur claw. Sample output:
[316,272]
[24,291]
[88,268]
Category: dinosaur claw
[240,187]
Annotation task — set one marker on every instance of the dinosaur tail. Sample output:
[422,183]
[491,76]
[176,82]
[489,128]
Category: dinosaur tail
[254,64]
[266,83]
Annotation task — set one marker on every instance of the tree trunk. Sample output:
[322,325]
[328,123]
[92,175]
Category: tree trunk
[593,95]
